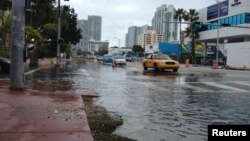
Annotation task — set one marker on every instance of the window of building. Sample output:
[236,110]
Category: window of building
[247,18]
[243,18]
[222,21]
[235,20]
[226,21]
[238,19]
[230,20]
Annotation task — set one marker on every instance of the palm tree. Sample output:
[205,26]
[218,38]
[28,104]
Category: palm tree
[191,32]
[5,5]
[179,15]
[31,34]
[5,28]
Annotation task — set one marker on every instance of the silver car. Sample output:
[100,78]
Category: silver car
[119,60]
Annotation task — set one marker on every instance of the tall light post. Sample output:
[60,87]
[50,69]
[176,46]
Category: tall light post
[218,33]
[17,41]
[59,41]
[58,32]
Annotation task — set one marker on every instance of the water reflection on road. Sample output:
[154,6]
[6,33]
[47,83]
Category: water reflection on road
[162,107]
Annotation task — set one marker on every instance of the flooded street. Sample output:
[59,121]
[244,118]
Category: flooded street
[163,107]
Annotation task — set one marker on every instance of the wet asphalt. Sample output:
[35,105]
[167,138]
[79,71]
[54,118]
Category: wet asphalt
[162,106]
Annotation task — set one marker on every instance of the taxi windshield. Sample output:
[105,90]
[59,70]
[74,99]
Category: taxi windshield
[162,57]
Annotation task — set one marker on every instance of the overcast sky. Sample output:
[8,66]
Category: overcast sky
[118,15]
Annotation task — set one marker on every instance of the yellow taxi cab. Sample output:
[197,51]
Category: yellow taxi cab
[160,61]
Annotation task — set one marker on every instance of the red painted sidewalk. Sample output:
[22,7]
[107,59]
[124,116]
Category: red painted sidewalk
[41,116]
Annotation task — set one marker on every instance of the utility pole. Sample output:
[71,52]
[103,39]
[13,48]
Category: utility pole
[17,41]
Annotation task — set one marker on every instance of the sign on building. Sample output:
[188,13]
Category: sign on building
[212,11]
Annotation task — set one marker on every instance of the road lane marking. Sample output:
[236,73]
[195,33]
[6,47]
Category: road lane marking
[32,71]
[198,89]
[173,87]
[242,83]
[154,86]
[226,87]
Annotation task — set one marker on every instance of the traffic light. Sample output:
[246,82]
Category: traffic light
[30,5]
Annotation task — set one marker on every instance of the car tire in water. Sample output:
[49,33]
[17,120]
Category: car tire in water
[144,66]
[155,67]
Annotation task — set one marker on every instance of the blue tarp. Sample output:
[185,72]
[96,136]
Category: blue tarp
[173,48]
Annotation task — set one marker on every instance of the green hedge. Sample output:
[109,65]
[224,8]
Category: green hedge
[4,53]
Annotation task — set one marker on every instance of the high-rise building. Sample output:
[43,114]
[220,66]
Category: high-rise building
[132,35]
[133,32]
[95,27]
[91,30]
[126,43]
[162,22]
[150,37]
[83,25]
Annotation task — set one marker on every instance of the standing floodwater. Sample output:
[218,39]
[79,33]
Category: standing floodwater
[163,107]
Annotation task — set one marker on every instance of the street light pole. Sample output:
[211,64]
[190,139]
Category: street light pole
[17,41]
[218,33]
[58,32]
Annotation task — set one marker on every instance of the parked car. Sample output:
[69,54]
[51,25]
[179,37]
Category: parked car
[128,58]
[100,58]
[4,65]
[160,61]
[119,60]
[108,58]
[90,57]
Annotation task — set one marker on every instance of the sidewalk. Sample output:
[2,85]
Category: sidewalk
[31,115]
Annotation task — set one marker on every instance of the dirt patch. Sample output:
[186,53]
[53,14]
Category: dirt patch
[49,86]
[101,123]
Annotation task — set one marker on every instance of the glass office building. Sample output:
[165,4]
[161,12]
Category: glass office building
[234,40]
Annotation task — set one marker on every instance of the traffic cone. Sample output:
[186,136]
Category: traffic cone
[187,63]
[113,64]
[215,64]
